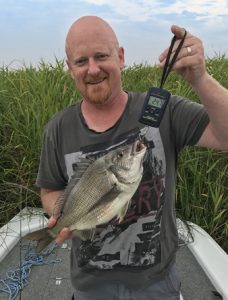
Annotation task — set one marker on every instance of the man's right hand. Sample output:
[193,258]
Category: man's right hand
[63,235]
[48,199]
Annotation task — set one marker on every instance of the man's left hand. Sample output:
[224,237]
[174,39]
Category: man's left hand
[190,63]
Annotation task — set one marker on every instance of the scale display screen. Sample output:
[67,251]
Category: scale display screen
[156,102]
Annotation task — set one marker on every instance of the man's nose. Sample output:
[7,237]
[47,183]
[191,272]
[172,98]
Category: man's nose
[93,66]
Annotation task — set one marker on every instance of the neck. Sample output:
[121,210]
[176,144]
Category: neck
[103,116]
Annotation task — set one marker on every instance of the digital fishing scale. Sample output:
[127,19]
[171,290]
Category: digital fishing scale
[157,98]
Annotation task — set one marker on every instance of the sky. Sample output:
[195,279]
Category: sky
[32,31]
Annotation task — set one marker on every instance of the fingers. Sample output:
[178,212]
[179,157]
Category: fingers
[64,234]
[52,221]
[192,47]
[179,32]
[190,62]
[186,52]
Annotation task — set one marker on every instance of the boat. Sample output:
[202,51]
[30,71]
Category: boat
[201,262]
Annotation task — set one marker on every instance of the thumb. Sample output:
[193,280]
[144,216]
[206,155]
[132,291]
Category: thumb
[52,221]
[178,31]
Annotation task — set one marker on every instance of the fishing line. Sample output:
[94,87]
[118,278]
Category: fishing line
[20,247]
[17,279]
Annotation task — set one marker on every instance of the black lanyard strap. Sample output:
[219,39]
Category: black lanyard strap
[168,66]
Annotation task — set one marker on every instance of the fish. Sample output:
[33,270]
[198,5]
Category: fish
[99,191]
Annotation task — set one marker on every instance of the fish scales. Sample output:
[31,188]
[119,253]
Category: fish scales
[99,191]
[87,189]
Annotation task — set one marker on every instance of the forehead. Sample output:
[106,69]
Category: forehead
[87,38]
[89,47]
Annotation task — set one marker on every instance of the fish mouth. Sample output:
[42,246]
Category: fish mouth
[137,147]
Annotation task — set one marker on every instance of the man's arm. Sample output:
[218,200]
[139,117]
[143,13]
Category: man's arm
[191,66]
[215,99]
[48,199]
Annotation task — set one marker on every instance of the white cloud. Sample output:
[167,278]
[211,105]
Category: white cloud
[38,27]
[207,8]
[144,10]
[135,11]
[98,2]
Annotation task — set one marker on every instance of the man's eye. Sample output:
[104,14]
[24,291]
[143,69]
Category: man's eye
[101,56]
[80,62]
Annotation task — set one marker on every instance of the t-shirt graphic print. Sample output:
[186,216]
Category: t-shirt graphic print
[135,242]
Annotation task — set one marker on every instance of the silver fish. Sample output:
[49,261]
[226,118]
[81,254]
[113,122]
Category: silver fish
[98,192]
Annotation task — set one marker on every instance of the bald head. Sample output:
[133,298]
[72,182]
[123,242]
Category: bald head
[87,28]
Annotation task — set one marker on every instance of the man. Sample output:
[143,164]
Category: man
[136,258]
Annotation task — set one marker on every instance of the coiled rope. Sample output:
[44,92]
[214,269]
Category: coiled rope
[16,280]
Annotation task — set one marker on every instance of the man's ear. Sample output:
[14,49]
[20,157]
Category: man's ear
[69,70]
[121,57]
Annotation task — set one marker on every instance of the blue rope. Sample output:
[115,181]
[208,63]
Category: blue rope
[16,280]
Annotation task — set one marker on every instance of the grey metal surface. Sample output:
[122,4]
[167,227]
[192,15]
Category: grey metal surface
[195,285]
[49,282]
[45,281]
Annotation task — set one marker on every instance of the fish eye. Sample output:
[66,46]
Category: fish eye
[120,155]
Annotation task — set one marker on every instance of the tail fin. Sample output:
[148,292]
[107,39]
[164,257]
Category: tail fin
[42,236]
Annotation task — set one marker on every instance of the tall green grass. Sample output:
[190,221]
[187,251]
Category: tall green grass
[29,97]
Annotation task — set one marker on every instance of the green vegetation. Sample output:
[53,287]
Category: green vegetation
[29,97]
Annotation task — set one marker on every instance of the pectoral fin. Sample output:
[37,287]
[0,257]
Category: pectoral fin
[123,212]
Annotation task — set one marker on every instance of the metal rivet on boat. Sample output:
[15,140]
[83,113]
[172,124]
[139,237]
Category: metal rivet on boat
[58,280]
[64,246]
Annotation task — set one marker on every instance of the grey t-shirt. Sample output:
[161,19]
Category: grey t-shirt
[142,247]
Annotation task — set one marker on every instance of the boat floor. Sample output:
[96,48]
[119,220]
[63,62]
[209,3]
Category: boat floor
[53,281]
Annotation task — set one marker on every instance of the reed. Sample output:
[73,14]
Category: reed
[30,96]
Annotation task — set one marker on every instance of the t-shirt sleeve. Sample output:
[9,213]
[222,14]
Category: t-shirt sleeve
[188,120]
[50,174]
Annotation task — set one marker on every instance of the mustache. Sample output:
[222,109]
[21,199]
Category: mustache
[94,79]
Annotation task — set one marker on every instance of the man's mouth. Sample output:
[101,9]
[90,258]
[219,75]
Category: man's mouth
[97,81]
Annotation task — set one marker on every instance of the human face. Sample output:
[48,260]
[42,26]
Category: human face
[95,65]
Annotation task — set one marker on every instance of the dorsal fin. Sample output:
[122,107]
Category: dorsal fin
[82,166]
